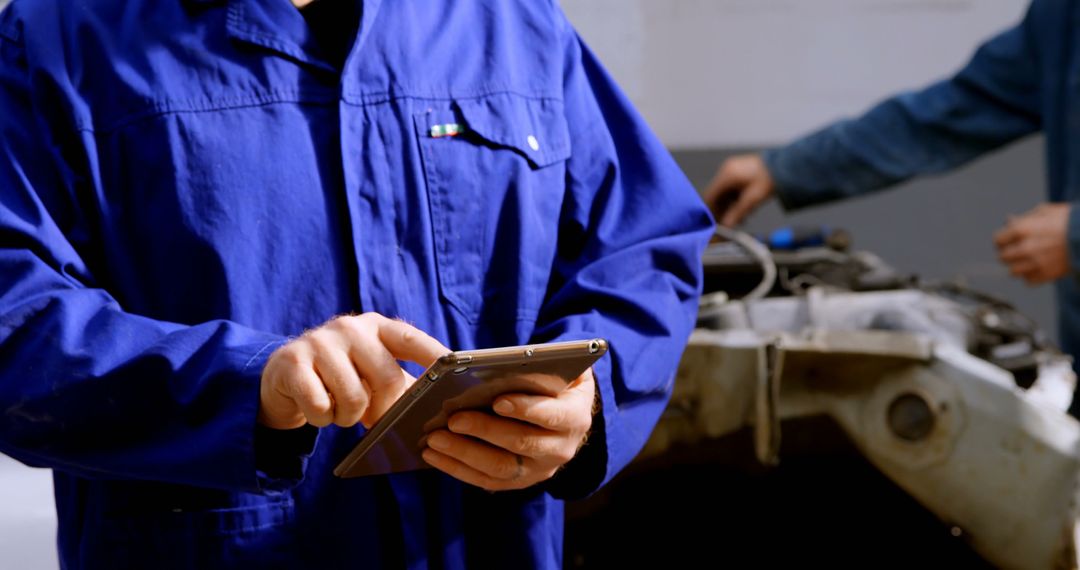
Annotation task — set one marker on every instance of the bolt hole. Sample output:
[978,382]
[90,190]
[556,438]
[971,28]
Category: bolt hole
[910,417]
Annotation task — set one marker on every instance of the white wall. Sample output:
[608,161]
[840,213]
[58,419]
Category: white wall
[721,73]
[27,517]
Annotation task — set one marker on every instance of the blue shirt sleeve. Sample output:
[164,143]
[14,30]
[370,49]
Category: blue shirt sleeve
[993,100]
[86,387]
[628,266]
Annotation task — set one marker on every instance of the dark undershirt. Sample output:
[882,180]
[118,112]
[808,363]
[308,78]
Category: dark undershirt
[334,24]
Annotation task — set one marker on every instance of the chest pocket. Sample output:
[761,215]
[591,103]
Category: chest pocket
[495,169]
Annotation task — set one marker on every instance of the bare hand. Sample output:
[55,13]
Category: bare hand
[525,444]
[1035,246]
[343,372]
[741,184]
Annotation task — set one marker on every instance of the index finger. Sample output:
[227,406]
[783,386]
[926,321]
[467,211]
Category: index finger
[375,344]
[1013,253]
[398,340]
[1007,235]
[406,342]
[720,193]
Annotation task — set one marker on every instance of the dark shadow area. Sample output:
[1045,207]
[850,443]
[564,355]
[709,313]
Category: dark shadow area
[712,505]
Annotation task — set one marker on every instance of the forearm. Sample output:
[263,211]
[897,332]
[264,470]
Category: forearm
[91,390]
[995,99]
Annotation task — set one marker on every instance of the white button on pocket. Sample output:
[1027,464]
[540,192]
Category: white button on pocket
[533,143]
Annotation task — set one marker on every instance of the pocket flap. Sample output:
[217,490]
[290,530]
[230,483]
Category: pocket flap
[536,128]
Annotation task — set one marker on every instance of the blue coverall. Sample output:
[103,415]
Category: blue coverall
[185,183]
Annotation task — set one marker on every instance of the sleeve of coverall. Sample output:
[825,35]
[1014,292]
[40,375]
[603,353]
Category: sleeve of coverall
[992,101]
[628,266]
[86,387]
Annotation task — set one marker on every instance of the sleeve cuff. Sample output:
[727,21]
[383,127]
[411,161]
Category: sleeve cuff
[281,456]
[586,472]
[787,194]
[1073,237]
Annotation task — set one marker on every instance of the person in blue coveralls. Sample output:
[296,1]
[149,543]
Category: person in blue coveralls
[1023,81]
[223,224]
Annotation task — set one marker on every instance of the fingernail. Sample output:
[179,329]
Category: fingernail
[438,441]
[504,406]
[459,423]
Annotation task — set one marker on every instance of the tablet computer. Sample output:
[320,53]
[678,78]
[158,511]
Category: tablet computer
[465,380]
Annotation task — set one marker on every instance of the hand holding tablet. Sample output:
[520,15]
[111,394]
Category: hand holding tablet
[468,384]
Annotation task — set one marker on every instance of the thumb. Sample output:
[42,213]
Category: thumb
[723,182]
[747,201]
